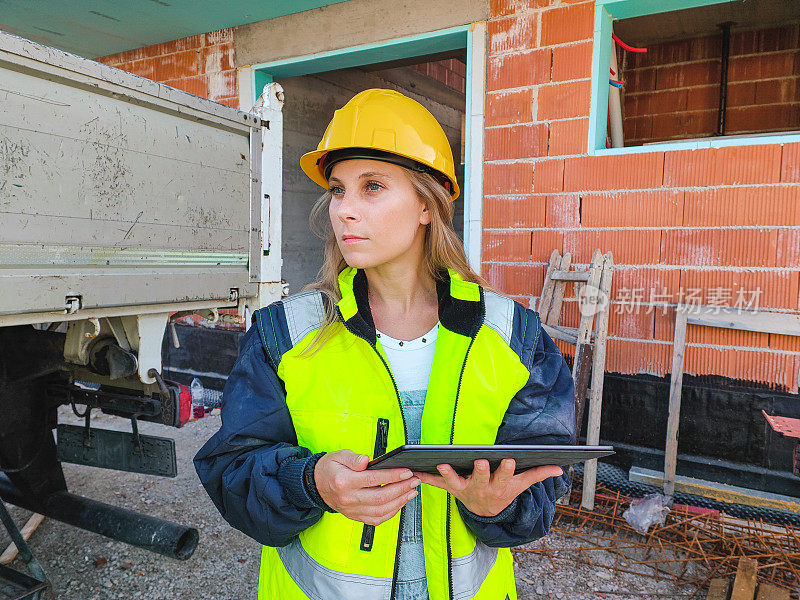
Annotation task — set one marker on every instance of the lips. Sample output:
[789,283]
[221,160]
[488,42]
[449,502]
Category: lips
[347,238]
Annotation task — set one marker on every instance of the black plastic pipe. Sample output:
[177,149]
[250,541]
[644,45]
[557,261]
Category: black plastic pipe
[723,76]
[144,531]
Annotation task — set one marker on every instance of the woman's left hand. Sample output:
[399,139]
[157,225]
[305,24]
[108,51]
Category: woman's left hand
[484,493]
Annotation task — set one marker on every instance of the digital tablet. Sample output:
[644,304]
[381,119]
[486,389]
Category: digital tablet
[424,457]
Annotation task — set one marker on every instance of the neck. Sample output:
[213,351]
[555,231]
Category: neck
[400,289]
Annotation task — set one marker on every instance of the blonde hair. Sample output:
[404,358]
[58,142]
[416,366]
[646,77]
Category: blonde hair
[442,248]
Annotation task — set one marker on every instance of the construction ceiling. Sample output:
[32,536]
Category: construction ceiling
[95,28]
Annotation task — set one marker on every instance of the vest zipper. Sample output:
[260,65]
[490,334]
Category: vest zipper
[381,439]
[405,441]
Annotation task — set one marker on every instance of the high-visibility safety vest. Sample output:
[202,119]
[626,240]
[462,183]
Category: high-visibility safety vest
[342,396]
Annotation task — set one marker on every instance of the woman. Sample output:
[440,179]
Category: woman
[398,341]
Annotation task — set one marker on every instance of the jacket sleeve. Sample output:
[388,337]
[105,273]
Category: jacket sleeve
[252,467]
[542,412]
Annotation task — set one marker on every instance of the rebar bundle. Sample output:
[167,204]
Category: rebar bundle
[691,548]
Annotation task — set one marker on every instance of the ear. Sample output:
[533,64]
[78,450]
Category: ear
[425,215]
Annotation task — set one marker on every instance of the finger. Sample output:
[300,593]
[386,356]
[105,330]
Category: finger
[386,493]
[351,460]
[480,472]
[377,514]
[504,472]
[434,480]
[374,477]
[451,478]
[537,474]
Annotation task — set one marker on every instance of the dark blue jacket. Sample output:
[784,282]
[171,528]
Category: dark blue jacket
[252,467]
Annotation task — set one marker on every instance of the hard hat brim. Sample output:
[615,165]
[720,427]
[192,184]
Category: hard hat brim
[312,165]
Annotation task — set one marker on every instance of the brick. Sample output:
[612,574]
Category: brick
[507,246]
[222,36]
[766,289]
[564,100]
[627,246]
[684,125]
[175,66]
[776,370]
[762,119]
[637,357]
[232,102]
[638,324]
[502,8]
[569,137]
[662,208]
[143,68]
[518,280]
[789,248]
[519,141]
[548,176]
[543,242]
[512,178]
[509,107]
[748,206]
[513,211]
[572,62]
[776,91]
[518,70]
[217,58]
[652,285]
[720,247]
[784,342]
[515,33]
[194,85]
[790,163]
[563,211]
[567,24]
[723,166]
[761,66]
[687,75]
[222,85]
[633,171]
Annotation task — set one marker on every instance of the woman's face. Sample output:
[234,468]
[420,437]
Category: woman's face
[375,212]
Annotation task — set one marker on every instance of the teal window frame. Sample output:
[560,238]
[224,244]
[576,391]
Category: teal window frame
[433,42]
[606,11]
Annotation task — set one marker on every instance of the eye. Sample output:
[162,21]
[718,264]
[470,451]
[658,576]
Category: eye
[373,186]
[336,190]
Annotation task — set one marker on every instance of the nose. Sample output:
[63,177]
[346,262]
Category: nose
[347,209]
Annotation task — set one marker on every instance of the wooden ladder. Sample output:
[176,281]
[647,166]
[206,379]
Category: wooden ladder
[593,289]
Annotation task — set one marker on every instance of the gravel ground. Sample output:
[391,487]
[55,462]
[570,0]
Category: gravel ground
[86,566]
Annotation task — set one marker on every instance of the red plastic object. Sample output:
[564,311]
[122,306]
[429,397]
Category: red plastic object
[626,46]
[184,405]
[786,426]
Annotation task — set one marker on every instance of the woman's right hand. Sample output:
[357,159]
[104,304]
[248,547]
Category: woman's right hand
[371,497]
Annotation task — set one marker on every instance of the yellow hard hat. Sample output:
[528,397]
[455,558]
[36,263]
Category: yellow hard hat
[384,125]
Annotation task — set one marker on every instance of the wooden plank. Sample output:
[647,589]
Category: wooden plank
[745,320]
[676,383]
[11,552]
[570,275]
[559,333]
[767,591]
[744,586]
[719,589]
[554,314]
[549,285]
[598,375]
[585,325]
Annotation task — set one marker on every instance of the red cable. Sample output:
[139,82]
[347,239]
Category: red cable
[617,82]
[613,72]
[624,45]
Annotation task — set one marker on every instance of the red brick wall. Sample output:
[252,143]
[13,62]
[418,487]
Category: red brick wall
[672,91]
[201,64]
[451,72]
[713,220]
